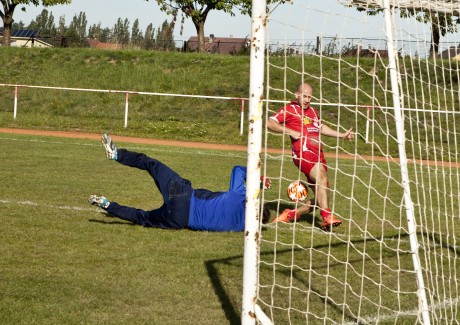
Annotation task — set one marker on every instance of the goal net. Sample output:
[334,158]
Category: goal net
[390,71]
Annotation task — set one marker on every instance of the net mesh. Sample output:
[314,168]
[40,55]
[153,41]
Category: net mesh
[447,6]
[363,271]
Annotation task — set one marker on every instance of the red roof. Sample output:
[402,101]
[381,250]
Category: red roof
[95,43]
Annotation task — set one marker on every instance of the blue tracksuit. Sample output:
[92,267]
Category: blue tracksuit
[183,206]
[220,211]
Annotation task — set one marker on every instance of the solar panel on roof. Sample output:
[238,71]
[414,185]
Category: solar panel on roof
[24,33]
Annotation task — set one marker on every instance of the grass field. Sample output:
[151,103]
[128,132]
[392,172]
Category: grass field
[65,262]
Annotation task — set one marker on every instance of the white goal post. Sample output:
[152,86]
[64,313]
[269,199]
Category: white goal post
[395,186]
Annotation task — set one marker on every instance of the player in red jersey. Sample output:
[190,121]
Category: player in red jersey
[303,124]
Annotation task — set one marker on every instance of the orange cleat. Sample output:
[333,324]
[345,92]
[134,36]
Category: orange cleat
[287,216]
[330,222]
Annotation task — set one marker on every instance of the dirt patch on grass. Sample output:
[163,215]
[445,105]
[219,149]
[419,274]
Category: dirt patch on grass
[95,136]
[211,146]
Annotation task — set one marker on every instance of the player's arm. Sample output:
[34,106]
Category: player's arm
[275,126]
[326,130]
[237,179]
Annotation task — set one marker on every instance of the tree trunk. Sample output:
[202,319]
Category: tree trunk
[8,24]
[7,34]
[435,37]
[199,25]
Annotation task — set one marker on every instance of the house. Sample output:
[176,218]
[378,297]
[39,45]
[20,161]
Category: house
[95,43]
[367,52]
[220,45]
[452,53]
[26,38]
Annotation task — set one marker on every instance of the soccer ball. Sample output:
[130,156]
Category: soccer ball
[297,192]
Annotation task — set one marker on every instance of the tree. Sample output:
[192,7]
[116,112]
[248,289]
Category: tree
[198,10]
[165,38]
[61,29]
[79,24]
[136,34]
[440,23]
[121,31]
[61,26]
[8,11]
[106,35]
[76,32]
[94,31]
[44,23]
[148,37]
[18,26]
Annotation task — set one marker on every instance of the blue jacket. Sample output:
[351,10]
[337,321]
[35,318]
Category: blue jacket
[220,211]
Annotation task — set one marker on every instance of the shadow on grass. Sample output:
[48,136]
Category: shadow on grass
[124,223]
[232,312]
[212,267]
[112,220]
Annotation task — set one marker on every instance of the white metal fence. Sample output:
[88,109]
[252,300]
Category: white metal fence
[127,93]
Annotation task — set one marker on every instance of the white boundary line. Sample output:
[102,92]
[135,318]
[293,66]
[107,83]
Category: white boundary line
[59,207]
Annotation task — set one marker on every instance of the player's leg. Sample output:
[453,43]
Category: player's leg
[136,216]
[318,176]
[294,214]
[154,218]
[161,174]
[158,218]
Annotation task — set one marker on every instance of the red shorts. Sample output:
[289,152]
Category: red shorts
[307,160]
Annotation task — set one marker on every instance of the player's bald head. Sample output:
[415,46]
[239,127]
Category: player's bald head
[304,87]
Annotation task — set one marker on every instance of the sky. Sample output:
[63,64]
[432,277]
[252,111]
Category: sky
[107,13]
[298,21]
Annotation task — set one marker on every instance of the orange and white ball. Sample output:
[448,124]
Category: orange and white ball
[297,192]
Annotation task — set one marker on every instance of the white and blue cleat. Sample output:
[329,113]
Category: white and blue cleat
[110,147]
[99,200]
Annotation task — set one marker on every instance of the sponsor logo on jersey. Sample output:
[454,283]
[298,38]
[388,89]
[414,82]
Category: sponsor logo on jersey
[306,120]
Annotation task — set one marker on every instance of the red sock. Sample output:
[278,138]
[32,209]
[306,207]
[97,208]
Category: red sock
[325,213]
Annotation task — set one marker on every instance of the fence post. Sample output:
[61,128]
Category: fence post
[126,109]
[318,45]
[242,117]
[368,122]
[15,111]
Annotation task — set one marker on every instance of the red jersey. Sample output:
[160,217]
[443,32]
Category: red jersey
[306,121]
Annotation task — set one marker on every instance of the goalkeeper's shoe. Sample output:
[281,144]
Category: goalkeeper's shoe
[287,216]
[99,200]
[330,222]
[110,148]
